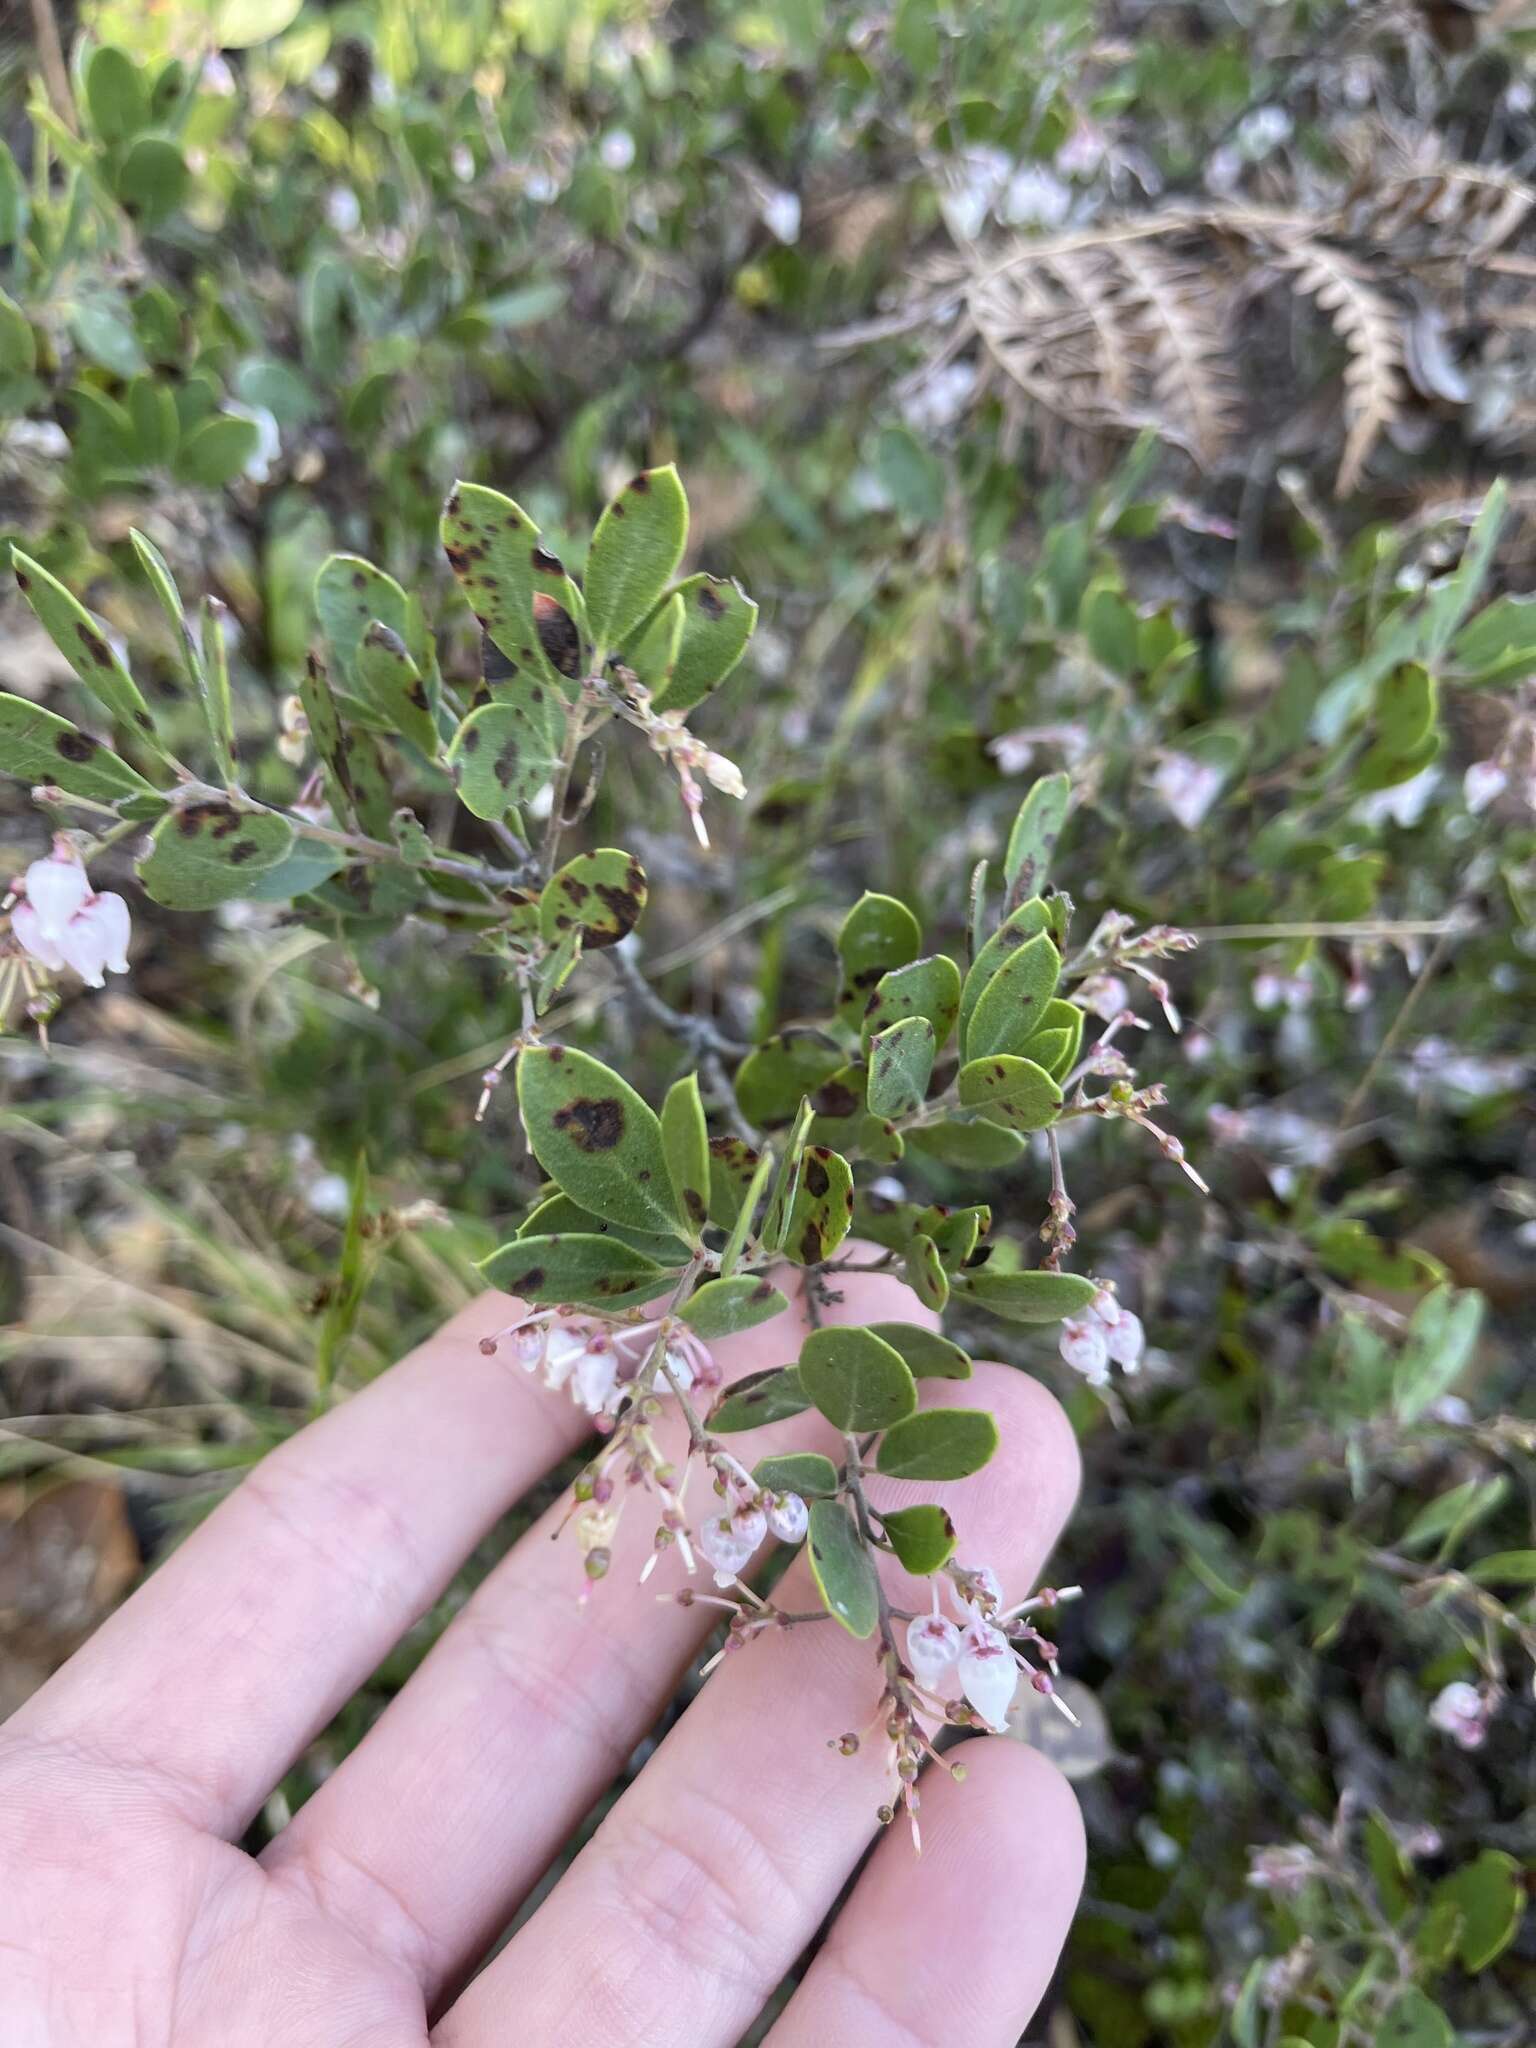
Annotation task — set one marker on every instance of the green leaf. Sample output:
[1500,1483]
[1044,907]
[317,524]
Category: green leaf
[1448,1518]
[636,547]
[1390,1868]
[978,1148]
[216,452]
[900,1062]
[1012,1091]
[928,1355]
[1057,1044]
[1033,838]
[590,1272]
[760,1398]
[878,934]
[600,895]
[775,1077]
[941,1443]
[209,852]
[814,1208]
[1451,600]
[856,1379]
[923,1271]
[653,653]
[1442,1337]
[1414,2022]
[1027,921]
[842,1568]
[923,1538]
[746,1215]
[1505,1568]
[18,344]
[84,646]
[685,1141]
[116,94]
[518,591]
[1491,1897]
[722,1308]
[1027,1297]
[502,756]
[390,682]
[39,746]
[924,988]
[1111,627]
[104,333]
[594,1137]
[241,24]
[1009,1009]
[152,180]
[807,1473]
[308,867]
[557,1215]
[156,424]
[718,621]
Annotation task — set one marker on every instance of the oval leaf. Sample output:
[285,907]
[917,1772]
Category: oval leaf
[717,622]
[594,1137]
[722,1307]
[942,1443]
[598,895]
[843,1569]
[1012,1091]
[210,852]
[928,1355]
[807,1473]
[1027,1297]
[636,548]
[761,1397]
[923,1538]
[856,1379]
[685,1141]
[1010,1008]
[39,746]
[900,1062]
[591,1272]
[502,755]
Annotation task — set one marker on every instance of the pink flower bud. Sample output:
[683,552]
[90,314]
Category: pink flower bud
[55,888]
[62,924]
[933,1644]
[989,1675]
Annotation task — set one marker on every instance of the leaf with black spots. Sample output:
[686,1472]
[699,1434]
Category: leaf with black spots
[941,1443]
[210,852]
[842,1568]
[598,896]
[594,1137]
[350,594]
[777,1075]
[685,1141]
[355,781]
[501,756]
[718,621]
[516,588]
[558,1215]
[877,934]
[1035,832]
[1009,1009]
[389,681]
[857,1380]
[1020,925]
[1012,1091]
[841,1120]
[86,648]
[746,1213]
[590,1272]
[759,1398]
[814,1207]
[928,1355]
[732,1166]
[636,547]
[39,746]
[923,1271]
[723,1308]
[900,1062]
[923,1538]
[1036,1297]
[923,988]
[978,1148]
[212,693]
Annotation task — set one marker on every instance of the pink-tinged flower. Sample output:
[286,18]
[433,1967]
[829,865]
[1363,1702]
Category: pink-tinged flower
[1084,1347]
[1103,995]
[1187,788]
[1282,1867]
[977,1591]
[1125,1341]
[55,888]
[62,923]
[1462,1712]
[989,1674]
[933,1644]
[788,1516]
[729,1542]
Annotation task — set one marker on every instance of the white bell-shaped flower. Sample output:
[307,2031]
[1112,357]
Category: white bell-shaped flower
[55,887]
[729,1542]
[1126,1340]
[1084,1348]
[788,1516]
[933,1644]
[989,1674]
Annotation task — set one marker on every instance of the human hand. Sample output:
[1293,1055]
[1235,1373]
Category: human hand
[128,1916]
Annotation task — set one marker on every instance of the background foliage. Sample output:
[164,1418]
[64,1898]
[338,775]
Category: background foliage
[1104,387]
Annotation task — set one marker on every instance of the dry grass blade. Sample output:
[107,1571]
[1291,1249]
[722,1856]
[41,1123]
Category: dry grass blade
[1462,210]
[1370,327]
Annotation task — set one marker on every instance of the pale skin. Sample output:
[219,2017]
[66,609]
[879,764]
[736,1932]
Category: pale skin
[129,1918]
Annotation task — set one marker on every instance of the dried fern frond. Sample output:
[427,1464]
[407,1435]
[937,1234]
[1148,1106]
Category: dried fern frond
[1370,326]
[1456,210]
[1181,314]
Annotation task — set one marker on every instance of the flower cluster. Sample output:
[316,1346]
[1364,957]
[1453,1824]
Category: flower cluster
[60,922]
[598,1363]
[982,1655]
[1105,1333]
[686,754]
[1463,1712]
